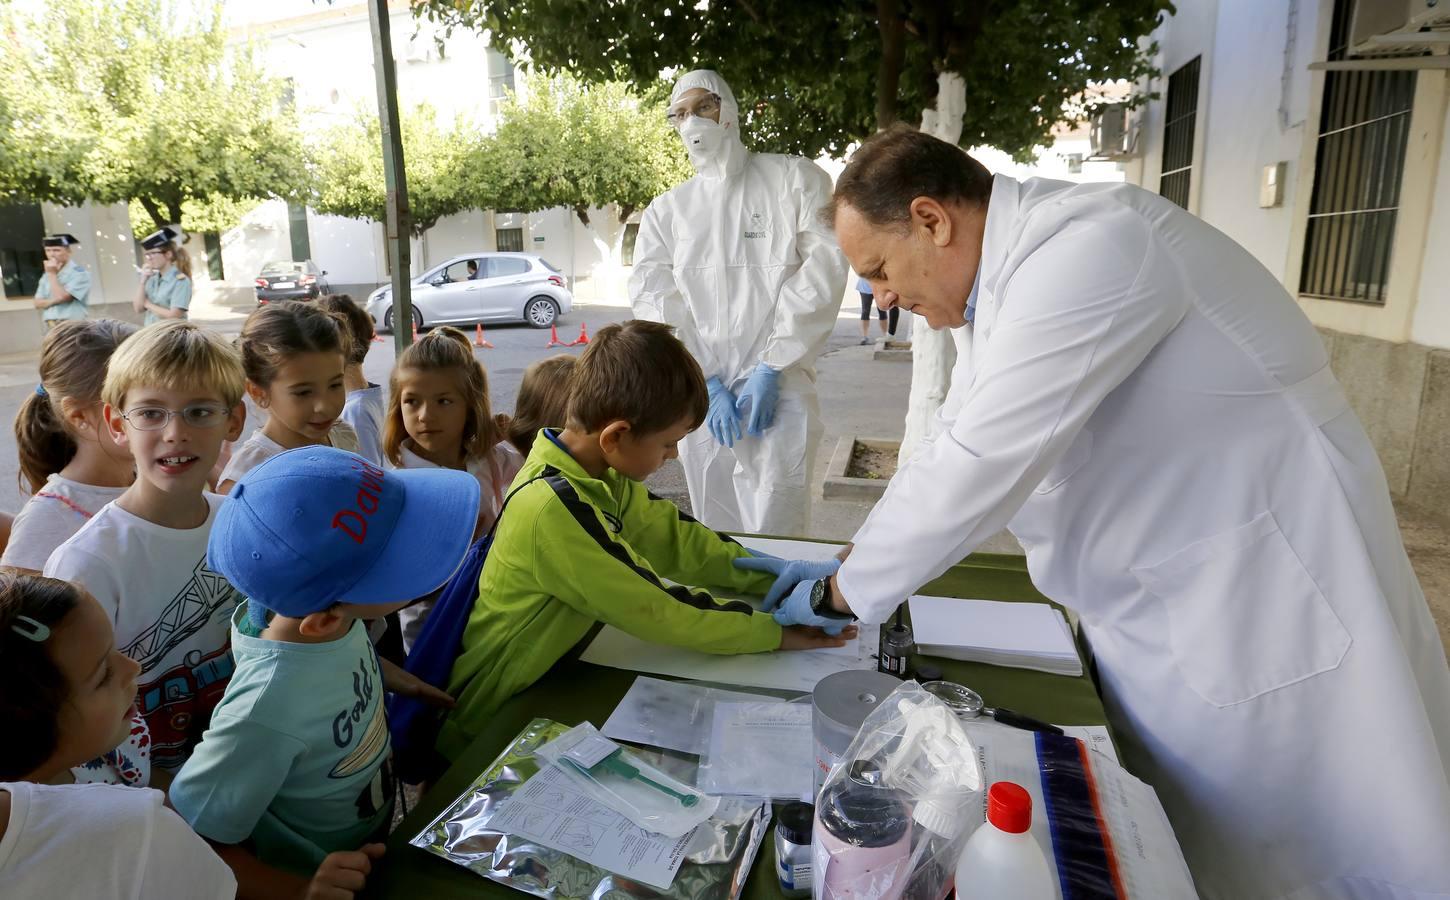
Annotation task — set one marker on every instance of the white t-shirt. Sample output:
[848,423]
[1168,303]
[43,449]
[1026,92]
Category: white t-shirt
[495,471]
[172,615]
[364,412]
[57,511]
[259,448]
[103,841]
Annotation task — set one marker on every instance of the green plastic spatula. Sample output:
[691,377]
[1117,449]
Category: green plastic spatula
[614,764]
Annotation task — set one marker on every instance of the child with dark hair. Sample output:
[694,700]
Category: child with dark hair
[584,542]
[366,403]
[294,356]
[543,401]
[67,693]
[67,455]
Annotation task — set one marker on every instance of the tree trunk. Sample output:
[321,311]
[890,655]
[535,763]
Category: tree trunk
[933,353]
[888,69]
[152,210]
[173,209]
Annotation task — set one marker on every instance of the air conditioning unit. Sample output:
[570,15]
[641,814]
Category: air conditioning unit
[1111,133]
[1398,27]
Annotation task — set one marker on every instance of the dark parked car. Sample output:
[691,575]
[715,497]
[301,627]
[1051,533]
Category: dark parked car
[290,281]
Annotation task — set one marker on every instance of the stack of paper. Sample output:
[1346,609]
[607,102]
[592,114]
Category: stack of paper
[1022,635]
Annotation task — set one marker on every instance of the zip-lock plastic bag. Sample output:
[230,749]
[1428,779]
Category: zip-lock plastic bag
[895,812]
[615,777]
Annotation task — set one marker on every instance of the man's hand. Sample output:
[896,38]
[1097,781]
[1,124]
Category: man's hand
[51,265]
[397,680]
[788,574]
[804,637]
[343,874]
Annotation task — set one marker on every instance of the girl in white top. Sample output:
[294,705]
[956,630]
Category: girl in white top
[66,694]
[294,355]
[439,416]
[66,451]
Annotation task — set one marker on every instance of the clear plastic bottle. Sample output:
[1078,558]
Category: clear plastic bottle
[1002,861]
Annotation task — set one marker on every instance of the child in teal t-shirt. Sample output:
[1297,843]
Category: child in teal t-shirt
[294,763]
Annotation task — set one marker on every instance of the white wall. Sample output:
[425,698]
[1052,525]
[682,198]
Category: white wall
[262,237]
[107,247]
[1431,325]
[1259,104]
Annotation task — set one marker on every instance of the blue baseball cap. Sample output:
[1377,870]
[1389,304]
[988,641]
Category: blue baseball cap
[316,526]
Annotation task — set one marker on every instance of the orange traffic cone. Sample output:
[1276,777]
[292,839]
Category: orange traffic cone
[479,340]
[554,338]
[583,336]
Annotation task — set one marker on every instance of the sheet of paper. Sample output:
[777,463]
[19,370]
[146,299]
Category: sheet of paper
[549,810]
[789,670]
[1026,635]
[786,549]
[760,750]
[675,715]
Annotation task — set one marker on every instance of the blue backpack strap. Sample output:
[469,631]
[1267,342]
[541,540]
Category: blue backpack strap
[414,724]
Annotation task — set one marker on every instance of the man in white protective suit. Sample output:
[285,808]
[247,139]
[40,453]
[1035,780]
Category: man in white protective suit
[737,260]
[1154,418]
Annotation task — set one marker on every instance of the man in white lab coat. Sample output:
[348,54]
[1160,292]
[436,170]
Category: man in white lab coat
[1152,416]
[738,261]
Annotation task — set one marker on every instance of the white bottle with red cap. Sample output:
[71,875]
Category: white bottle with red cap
[1002,861]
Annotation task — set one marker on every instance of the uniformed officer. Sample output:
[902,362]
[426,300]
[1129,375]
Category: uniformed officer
[165,290]
[65,286]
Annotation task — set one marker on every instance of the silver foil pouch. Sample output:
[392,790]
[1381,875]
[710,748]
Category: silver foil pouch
[716,860]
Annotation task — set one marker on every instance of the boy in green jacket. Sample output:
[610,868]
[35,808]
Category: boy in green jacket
[583,541]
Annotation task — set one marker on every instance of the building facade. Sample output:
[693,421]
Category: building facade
[1314,133]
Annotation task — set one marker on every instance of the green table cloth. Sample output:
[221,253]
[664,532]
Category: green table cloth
[575,691]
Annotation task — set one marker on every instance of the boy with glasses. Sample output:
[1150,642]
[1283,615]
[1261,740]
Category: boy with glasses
[172,395]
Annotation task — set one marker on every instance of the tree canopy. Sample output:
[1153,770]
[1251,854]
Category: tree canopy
[581,147]
[442,168]
[140,100]
[814,76]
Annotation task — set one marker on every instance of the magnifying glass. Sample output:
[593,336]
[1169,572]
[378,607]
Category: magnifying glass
[967,704]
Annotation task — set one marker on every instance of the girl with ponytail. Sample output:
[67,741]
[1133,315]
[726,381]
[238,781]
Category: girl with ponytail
[72,466]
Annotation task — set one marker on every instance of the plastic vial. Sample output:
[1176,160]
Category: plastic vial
[793,849]
[897,645]
[1002,860]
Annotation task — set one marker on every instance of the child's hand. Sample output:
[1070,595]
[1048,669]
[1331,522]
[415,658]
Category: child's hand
[343,874]
[397,680]
[804,637]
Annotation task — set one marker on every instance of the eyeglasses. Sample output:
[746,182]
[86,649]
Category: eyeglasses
[704,107]
[155,418]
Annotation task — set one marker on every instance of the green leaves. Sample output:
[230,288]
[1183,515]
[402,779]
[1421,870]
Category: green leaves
[807,72]
[440,164]
[566,145]
[140,100]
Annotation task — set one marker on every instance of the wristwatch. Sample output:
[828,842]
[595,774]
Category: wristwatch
[821,601]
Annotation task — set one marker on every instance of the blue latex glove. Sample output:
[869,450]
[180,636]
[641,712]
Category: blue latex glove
[789,573]
[761,392]
[796,610]
[722,418]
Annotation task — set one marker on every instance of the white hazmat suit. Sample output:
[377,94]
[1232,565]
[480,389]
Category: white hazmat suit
[1154,418]
[737,262]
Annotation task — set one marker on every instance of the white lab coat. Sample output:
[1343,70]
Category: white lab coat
[736,260]
[1155,420]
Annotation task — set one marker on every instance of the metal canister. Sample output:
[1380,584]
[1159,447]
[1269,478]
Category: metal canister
[897,645]
[839,704]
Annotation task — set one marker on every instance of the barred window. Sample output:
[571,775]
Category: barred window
[1178,133]
[1359,163]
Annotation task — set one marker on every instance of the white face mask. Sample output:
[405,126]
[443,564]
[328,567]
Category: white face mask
[703,139]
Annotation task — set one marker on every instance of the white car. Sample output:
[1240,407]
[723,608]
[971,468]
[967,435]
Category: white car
[481,287]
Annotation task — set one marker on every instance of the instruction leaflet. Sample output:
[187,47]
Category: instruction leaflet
[548,809]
